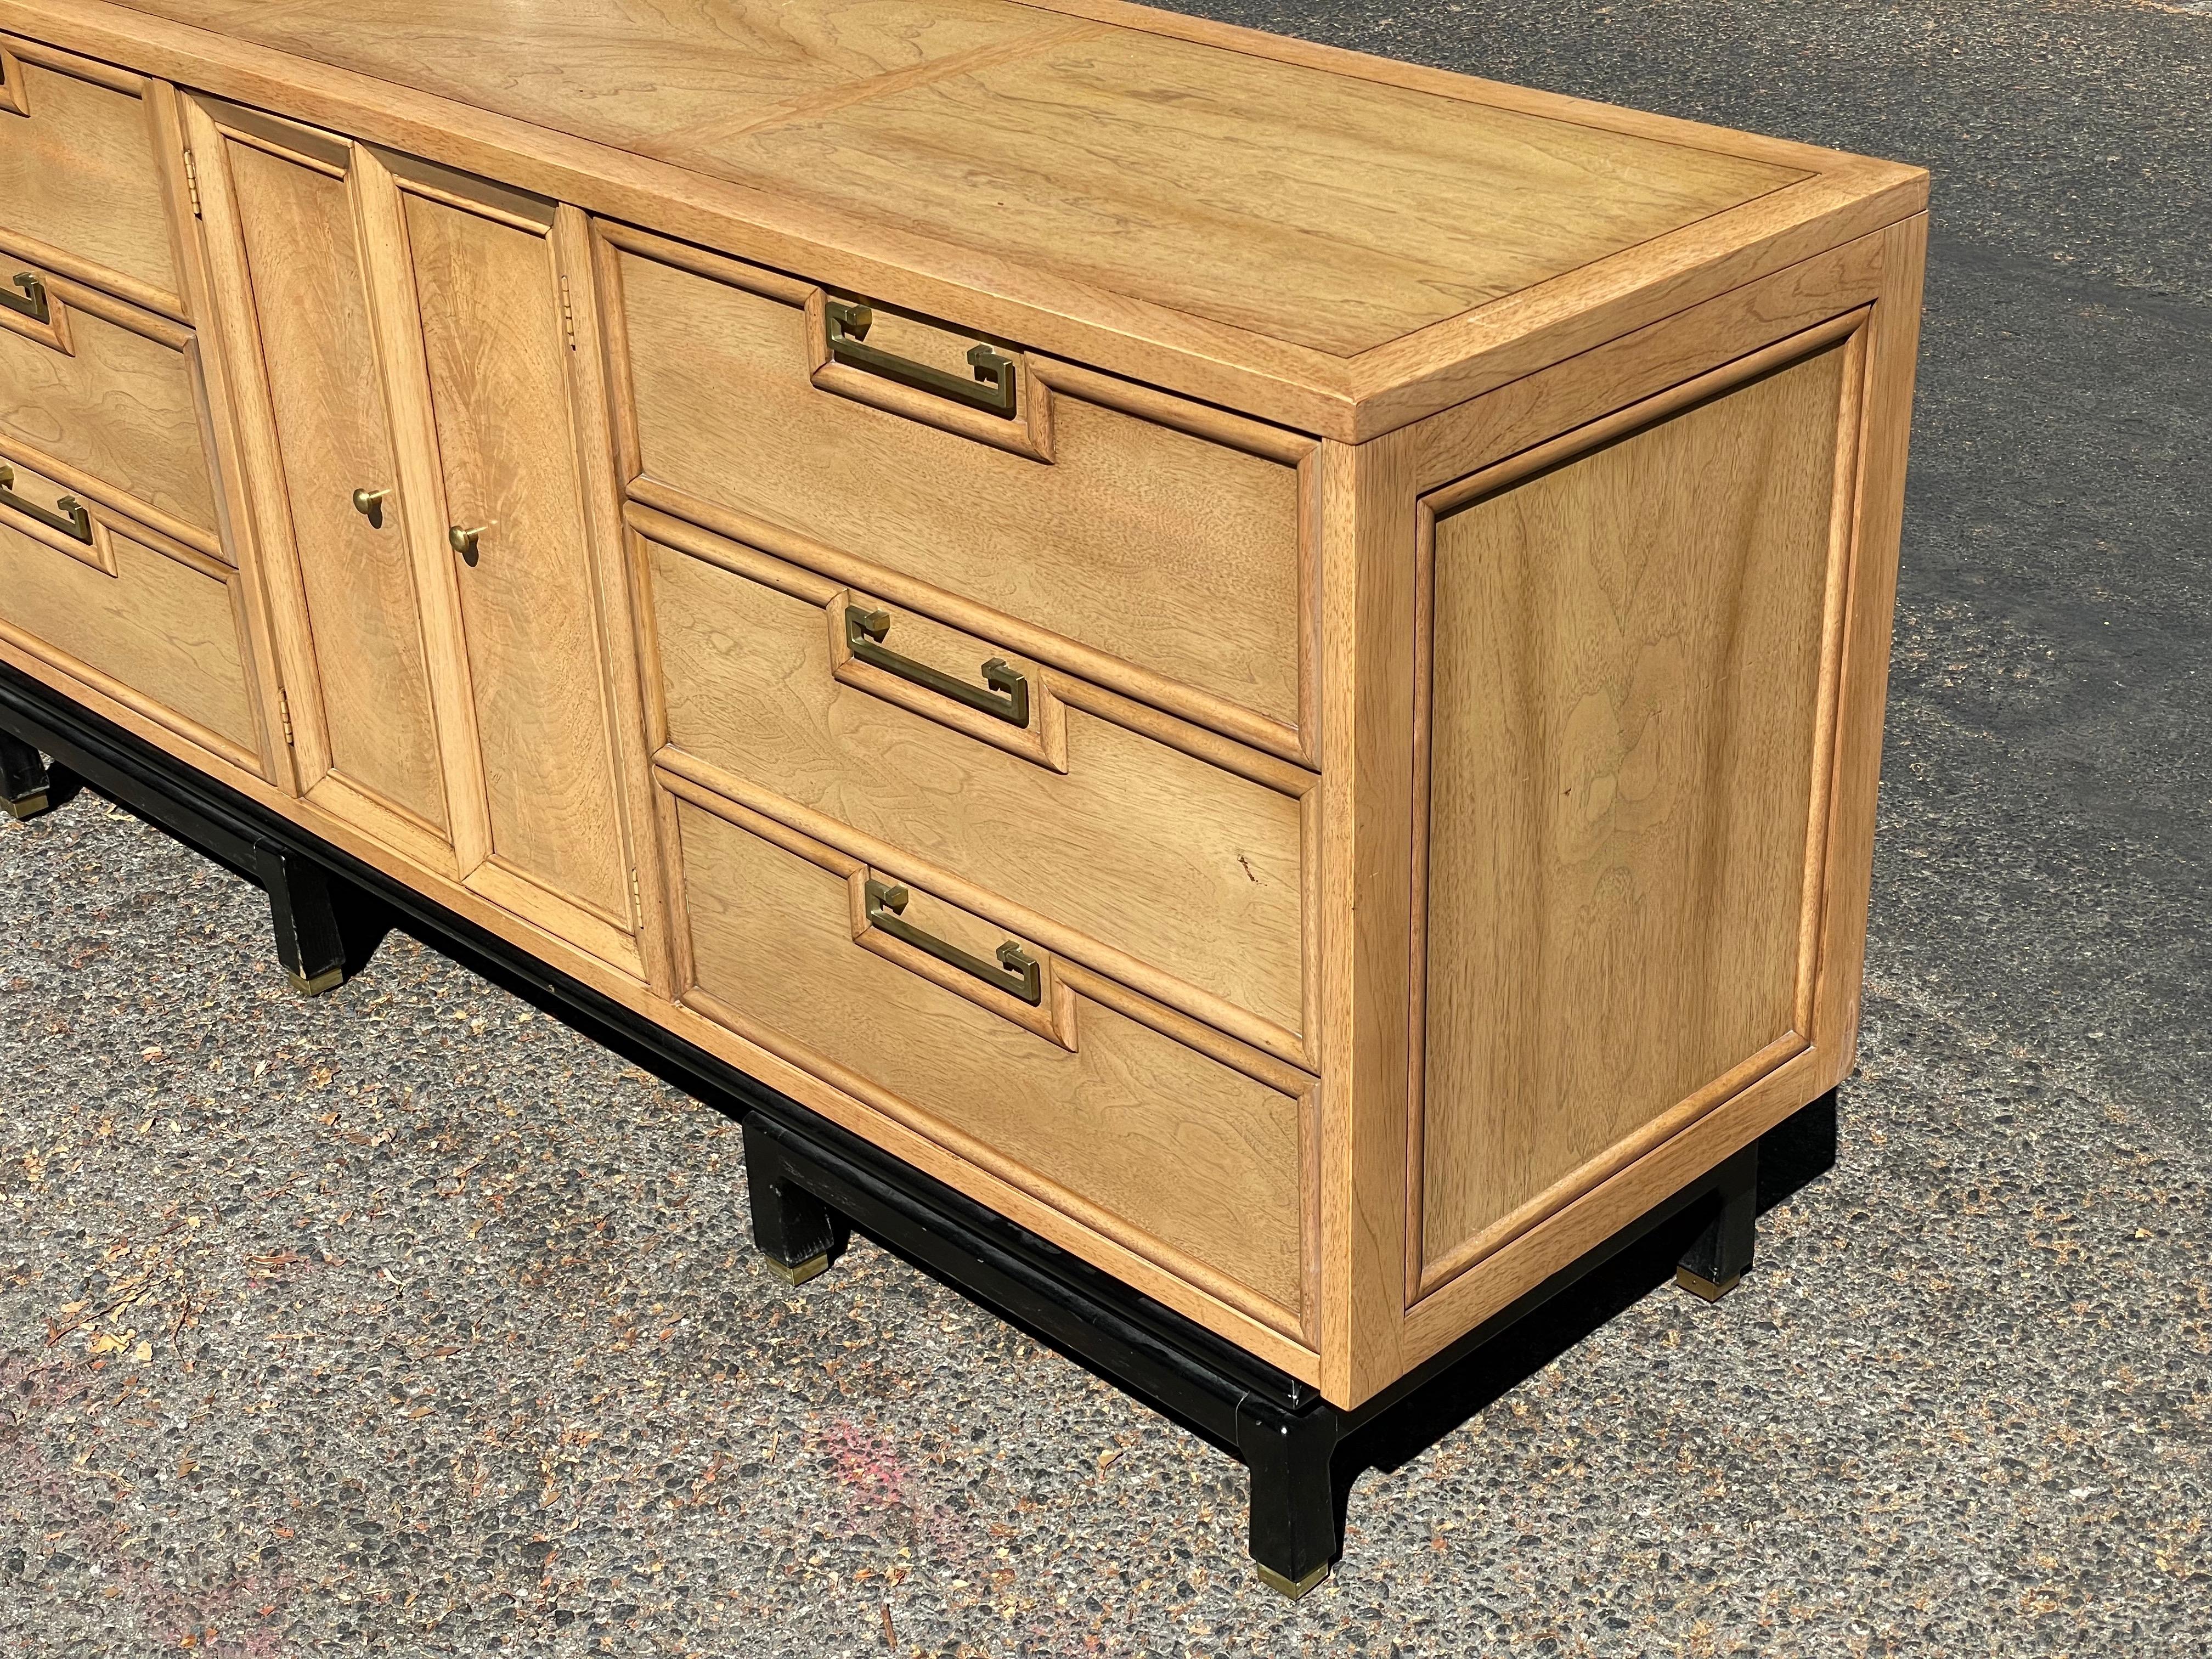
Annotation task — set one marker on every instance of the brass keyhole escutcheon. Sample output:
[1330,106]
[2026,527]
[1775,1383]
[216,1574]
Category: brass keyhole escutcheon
[464,542]
[369,503]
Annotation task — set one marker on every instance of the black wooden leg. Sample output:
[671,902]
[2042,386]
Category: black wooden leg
[304,901]
[24,787]
[794,1230]
[1296,1529]
[1722,1253]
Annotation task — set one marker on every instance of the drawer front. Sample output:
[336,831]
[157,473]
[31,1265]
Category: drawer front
[1160,562]
[105,396]
[148,622]
[1141,1136]
[1188,868]
[80,184]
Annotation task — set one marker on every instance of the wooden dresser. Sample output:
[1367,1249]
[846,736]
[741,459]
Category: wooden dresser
[1269,662]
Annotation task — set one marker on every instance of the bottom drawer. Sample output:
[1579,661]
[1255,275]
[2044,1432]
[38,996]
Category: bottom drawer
[154,630]
[1186,1160]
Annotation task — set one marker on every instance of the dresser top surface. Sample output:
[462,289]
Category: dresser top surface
[1302,204]
[1309,234]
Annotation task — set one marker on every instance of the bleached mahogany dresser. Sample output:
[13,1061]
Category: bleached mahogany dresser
[1235,689]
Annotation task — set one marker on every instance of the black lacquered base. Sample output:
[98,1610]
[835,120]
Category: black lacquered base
[812,1183]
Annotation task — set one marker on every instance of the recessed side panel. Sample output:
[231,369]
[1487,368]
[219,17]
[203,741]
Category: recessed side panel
[1626,710]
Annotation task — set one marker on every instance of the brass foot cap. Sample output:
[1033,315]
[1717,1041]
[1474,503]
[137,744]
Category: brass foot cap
[1702,1288]
[329,980]
[813,1268]
[1293,1588]
[29,806]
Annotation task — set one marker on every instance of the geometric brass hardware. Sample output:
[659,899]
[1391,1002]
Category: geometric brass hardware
[846,322]
[34,302]
[1017,972]
[67,515]
[1009,701]
[464,542]
[369,503]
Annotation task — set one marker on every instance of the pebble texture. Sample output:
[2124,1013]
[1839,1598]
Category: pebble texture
[406,1321]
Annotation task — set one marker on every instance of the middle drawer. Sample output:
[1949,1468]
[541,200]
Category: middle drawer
[1105,842]
[107,398]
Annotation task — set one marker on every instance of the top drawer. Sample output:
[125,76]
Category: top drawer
[1153,545]
[81,189]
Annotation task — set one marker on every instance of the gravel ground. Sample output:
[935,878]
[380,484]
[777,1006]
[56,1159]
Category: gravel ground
[406,1321]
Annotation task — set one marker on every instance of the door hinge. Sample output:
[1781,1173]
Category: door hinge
[568,314]
[192,184]
[284,713]
[636,898]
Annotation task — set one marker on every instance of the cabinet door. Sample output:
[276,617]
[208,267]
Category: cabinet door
[280,209]
[501,375]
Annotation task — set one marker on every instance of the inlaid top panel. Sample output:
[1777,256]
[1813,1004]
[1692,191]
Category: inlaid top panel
[640,74]
[1304,204]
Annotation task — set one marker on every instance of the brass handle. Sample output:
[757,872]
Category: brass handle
[1009,699]
[34,302]
[1017,972]
[369,503]
[67,515]
[464,542]
[847,322]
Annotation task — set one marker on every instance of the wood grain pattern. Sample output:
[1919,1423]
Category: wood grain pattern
[490,317]
[1876,512]
[1493,1284]
[1640,364]
[643,74]
[1171,1144]
[165,630]
[369,679]
[1624,682]
[121,404]
[1179,555]
[1131,844]
[594,438]
[77,173]
[1307,207]
[1553,321]
[1364,905]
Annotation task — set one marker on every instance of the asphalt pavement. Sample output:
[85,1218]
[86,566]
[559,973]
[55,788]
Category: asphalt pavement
[406,1321]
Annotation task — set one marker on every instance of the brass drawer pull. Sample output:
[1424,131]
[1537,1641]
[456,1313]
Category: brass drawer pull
[847,322]
[369,503]
[464,542]
[1017,972]
[67,515]
[1008,699]
[34,302]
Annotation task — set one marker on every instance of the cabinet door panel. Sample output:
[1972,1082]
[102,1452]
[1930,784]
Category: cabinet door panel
[490,303]
[356,578]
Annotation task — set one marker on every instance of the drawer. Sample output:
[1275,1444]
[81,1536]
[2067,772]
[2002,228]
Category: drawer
[80,184]
[1084,1100]
[147,621]
[1146,543]
[104,397]
[1071,823]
